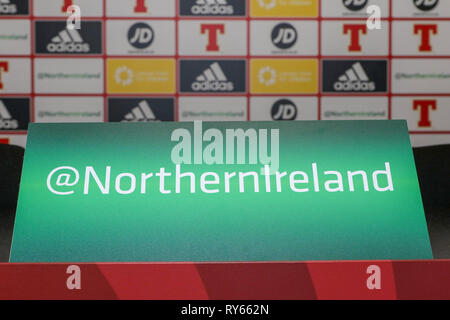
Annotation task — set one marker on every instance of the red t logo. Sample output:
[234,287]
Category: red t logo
[424,106]
[425,31]
[355,30]
[66,5]
[3,67]
[140,6]
[212,30]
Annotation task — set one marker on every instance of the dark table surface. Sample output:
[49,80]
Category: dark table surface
[6,230]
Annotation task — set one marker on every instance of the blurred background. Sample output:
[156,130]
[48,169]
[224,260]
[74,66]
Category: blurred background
[225,60]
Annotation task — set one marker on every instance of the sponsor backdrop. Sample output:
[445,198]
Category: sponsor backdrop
[225,60]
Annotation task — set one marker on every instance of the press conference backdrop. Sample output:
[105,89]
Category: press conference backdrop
[167,60]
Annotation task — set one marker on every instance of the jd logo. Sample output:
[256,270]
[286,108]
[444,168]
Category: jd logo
[141,35]
[284,36]
[355,5]
[284,109]
[426,5]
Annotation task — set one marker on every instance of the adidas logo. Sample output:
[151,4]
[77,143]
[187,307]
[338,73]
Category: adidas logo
[213,79]
[141,113]
[6,121]
[212,7]
[6,7]
[68,41]
[355,79]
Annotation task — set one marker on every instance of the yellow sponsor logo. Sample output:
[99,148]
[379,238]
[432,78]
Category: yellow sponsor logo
[284,8]
[141,76]
[284,76]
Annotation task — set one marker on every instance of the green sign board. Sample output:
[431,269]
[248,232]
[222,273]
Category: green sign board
[229,191]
